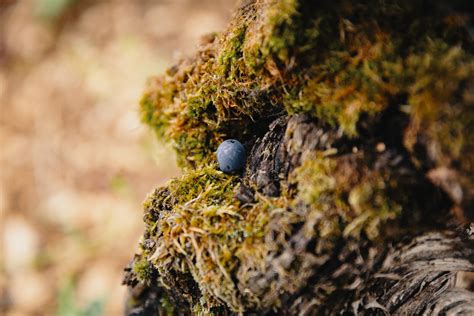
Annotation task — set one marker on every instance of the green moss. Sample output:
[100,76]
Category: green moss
[206,233]
[440,105]
[272,35]
[199,228]
[343,65]
[167,306]
[144,270]
[231,54]
[337,65]
[346,203]
[348,84]
[202,100]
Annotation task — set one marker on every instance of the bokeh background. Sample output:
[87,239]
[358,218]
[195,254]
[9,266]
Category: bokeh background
[75,162]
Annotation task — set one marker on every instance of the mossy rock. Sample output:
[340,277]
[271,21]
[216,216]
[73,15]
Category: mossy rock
[358,118]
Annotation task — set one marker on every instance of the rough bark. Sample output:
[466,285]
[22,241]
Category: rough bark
[412,276]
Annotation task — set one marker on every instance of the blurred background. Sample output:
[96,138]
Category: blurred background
[75,162]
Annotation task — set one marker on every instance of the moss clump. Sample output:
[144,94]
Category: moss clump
[399,74]
[274,34]
[143,270]
[345,203]
[339,63]
[229,86]
[440,104]
[199,228]
[204,232]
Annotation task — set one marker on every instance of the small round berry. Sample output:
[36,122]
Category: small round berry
[231,156]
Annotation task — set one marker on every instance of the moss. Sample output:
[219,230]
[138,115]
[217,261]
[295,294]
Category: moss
[200,229]
[349,84]
[346,66]
[143,270]
[205,233]
[346,203]
[439,103]
[231,54]
[335,64]
[272,35]
[200,101]
[167,306]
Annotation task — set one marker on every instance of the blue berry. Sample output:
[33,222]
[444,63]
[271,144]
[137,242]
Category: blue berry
[231,156]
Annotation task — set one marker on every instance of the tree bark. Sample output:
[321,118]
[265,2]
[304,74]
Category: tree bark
[357,194]
[415,275]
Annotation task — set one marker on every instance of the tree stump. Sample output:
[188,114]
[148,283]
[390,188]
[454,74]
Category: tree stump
[358,192]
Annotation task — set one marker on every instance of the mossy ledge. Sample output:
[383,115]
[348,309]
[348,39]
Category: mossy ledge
[359,122]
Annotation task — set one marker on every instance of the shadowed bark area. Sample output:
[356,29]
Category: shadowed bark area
[356,197]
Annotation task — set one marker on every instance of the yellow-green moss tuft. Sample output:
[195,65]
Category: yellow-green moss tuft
[440,104]
[346,202]
[206,233]
[144,270]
